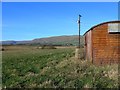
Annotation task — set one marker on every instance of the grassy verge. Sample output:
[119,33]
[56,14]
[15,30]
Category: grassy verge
[22,66]
[54,68]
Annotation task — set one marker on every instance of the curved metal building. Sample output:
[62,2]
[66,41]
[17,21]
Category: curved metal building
[102,43]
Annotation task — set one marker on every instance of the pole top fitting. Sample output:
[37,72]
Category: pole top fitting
[80,15]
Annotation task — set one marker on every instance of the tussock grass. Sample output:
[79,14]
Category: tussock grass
[54,68]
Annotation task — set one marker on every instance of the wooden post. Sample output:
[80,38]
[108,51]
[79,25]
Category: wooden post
[77,50]
[79,28]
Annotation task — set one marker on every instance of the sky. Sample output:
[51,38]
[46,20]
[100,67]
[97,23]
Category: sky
[60,0]
[30,20]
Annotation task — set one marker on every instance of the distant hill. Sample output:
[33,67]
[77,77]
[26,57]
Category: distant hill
[14,42]
[56,40]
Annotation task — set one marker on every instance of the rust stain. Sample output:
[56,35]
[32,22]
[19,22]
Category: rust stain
[101,46]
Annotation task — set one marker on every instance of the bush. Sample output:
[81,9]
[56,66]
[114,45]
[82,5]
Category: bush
[2,49]
[48,47]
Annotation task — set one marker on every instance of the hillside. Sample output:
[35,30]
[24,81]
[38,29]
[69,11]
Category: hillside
[59,40]
[56,40]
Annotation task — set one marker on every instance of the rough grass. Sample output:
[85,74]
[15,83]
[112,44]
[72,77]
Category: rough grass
[29,67]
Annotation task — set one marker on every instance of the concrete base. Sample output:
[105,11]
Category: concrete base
[77,53]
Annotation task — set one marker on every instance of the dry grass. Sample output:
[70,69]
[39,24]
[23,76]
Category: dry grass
[54,68]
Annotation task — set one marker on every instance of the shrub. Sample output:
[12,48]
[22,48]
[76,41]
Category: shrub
[48,47]
[2,49]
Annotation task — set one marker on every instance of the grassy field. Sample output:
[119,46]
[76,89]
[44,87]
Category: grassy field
[30,67]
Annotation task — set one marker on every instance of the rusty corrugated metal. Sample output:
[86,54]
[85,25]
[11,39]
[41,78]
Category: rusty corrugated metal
[101,46]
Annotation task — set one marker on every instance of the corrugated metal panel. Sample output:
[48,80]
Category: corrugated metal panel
[102,45]
[88,46]
[113,27]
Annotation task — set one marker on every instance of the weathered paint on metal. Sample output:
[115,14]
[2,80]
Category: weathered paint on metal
[101,46]
[88,46]
[113,27]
